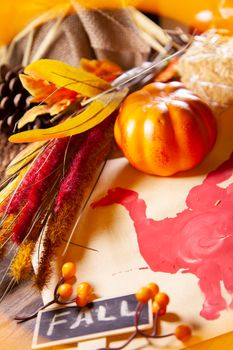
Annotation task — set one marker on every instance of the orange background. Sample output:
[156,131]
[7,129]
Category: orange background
[14,15]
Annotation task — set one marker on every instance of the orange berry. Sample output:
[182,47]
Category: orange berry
[65,290]
[157,309]
[154,288]
[91,297]
[68,270]
[82,300]
[183,333]
[162,299]
[162,312]
[84,288]
[143,295]
[71,280]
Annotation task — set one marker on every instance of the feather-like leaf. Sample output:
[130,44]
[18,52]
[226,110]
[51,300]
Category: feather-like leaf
[24,157]
[63,75]
[94,114]
[31,115]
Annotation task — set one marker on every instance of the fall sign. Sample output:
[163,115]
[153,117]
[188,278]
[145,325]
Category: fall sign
[101,318]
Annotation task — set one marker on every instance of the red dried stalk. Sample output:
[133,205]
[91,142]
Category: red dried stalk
[35,185]
[93,151]
[45,160]
[21,266]
[89,150]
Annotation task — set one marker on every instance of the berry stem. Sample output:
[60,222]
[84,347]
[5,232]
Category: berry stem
[24,319]
[55,294]
[54,301]
[155,320]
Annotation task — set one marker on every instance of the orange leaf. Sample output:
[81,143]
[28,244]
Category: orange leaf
[42,90]
[104,69]
[169,72]
[60,106]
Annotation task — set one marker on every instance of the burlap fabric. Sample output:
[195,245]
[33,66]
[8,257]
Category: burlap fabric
[114,36]
[109,34]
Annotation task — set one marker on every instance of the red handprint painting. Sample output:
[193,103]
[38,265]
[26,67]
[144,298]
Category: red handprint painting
[199,240]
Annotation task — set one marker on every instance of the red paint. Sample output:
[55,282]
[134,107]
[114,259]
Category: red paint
[199,240]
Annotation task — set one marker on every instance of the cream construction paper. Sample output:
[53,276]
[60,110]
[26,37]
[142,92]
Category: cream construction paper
[116,267]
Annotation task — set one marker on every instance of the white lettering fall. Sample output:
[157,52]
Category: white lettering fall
[56,322]
[101,315]
[83,316]
[125,312]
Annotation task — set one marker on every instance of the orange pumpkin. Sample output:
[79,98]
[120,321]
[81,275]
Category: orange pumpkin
[164,128]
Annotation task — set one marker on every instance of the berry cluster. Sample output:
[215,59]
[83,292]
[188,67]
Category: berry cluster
[64,289]
[159,307]
[160,301]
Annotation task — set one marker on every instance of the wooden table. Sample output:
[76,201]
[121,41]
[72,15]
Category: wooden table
[21,301]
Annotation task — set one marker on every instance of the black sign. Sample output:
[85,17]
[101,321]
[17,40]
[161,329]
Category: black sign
[104,317]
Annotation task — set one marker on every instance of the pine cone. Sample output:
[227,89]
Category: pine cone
[15,101]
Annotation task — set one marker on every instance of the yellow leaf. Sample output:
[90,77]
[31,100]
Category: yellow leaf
[24,157]
[60,106]
[94,114]
[12,185]
[31,115]
[63,75]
